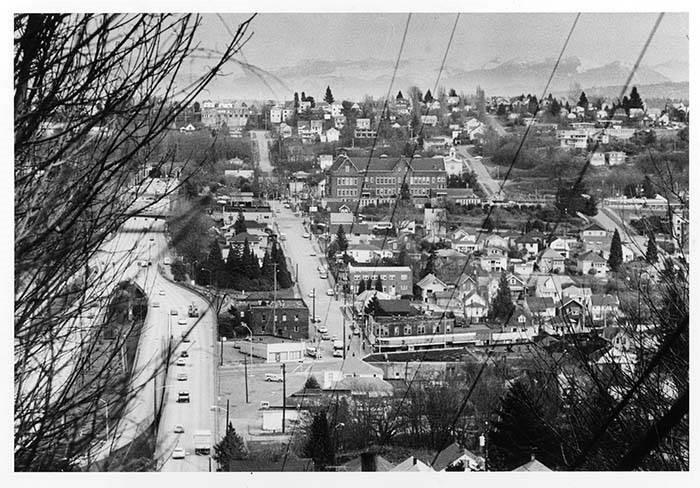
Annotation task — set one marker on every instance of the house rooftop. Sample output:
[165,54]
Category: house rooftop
[396,307]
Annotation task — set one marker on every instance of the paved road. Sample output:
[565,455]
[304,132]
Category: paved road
[199,368]
[489,185]
[261,140]
[327,308]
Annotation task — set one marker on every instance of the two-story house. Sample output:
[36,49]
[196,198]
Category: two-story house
[592,263]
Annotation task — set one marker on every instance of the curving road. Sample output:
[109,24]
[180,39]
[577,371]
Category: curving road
[260,137]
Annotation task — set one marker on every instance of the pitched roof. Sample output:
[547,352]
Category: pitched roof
[356,464]
[430,277]
[532,465]
[447,456]
[412,463]
[539,304]
[243,236]
[591,256]
[550,253]
[594,226]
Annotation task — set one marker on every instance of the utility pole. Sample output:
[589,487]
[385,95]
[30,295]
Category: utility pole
[227,402]
[284,395]
[245,365]
[274,299]
[313,301]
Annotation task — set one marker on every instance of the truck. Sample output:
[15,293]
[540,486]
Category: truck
[313,352]
[192,310]
[202,442]
[338,344]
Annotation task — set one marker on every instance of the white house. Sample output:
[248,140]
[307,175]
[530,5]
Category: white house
[431,284]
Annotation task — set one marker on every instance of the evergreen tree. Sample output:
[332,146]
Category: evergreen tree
[329,96]
[372,306]
[522,429]
[284,278]
[378,284]
[319,445]
[652,254]
[399,96]
[555,108]
[635,101]
[332,250]
[303,96]
[230,448]
[267,271]
[234,266]
[429,264]
[615,259]
[368,284]
[296,100]
[403,258]
[341,240]
[214,263]
[487,225]
[239,226]
[405,192]
[311,383]
[361,287]
[502,306]
[428,97]
[251,268]
[626,104]
[589,206]
[533,105]
[452,93]
[583,100]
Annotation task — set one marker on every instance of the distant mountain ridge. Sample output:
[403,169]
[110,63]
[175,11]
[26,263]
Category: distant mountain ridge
[353,79]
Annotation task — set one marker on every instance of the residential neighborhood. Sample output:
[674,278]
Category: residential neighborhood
[470,276]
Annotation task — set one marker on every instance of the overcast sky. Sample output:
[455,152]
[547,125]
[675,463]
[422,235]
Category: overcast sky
[286,39]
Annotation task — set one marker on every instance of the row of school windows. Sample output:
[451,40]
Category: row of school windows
[390,277]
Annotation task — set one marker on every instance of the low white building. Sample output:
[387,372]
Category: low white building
[273,349]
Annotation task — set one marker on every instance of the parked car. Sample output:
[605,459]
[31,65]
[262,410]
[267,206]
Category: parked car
[179,429]
[312,293]
[182,322]
[337,353]
[184,354]
[181,362]
[156,304]
[183,397]
[330,292]
[277,378]
[326,337]
[173,311]
[312,254]
[167,261]
[178,453]
[356,331]
[306,235]
[161,292]
[182,376]
[322,329]
[323,276]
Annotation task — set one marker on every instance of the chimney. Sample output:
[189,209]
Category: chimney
[532,456]
[415,460]
[369,461]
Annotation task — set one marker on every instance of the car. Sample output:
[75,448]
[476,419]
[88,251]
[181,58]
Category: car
[167,261]
[316,319]
[306,235]
[322,329]
[161,292]
[179,429]
[312,293]
[151,239]
[182,376]
[356,331]
[323,276]
[312,254]
[337,353]
[185,337]
[178,453]
[326,337]
[173,311]
[183,397]
[182,322]
[321,269]
[286,205]
[184,354]
[334,338]
[181,362]
[277,378]
[330,292]
[156,304]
